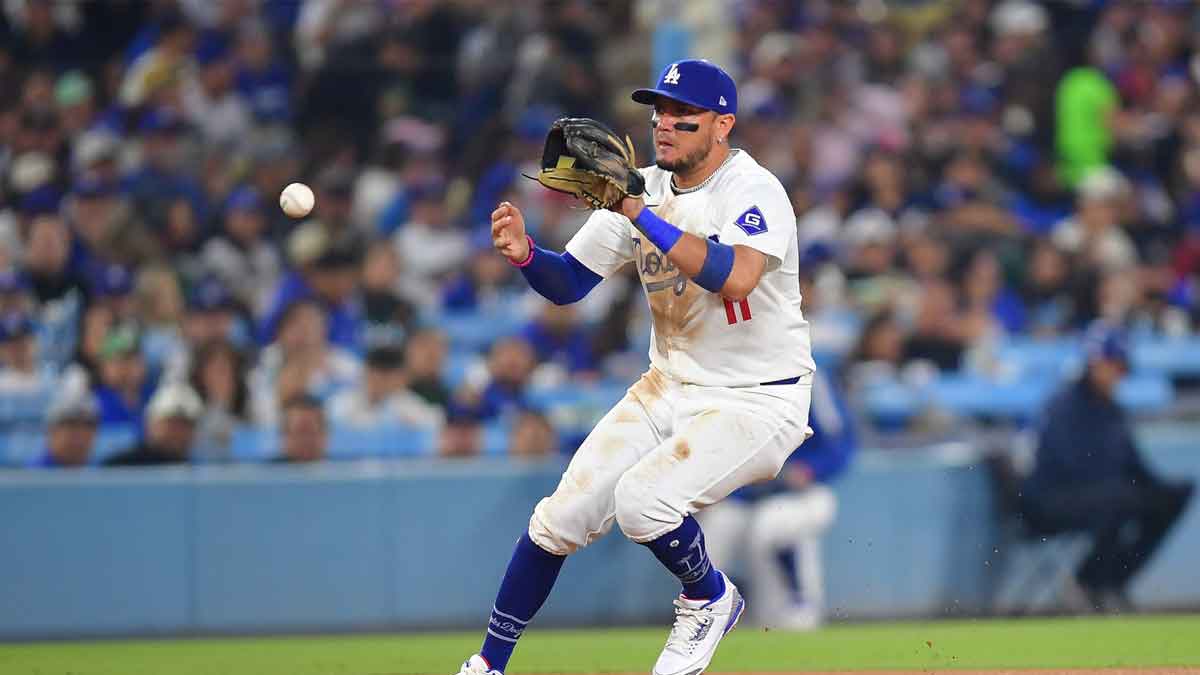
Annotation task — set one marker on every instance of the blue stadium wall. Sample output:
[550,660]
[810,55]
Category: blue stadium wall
[409,545]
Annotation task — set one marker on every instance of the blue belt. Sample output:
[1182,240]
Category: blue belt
[790,380]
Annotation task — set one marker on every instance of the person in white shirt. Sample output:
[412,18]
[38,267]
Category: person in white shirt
[726,399]
[382,400]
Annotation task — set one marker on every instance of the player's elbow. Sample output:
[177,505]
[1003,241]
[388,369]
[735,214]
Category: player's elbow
[739,287]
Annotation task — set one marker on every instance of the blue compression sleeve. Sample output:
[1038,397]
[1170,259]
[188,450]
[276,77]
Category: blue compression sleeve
[561,279]
[718,263]
[660,233]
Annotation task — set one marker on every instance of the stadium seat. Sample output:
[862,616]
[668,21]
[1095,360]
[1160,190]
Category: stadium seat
[253,444]
[476,331]
[20,447]
[114,439]
[1174,357]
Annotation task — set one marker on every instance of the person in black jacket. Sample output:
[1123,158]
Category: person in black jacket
[171,419]
[1089,477]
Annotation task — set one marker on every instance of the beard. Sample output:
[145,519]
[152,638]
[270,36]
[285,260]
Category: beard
[688,162]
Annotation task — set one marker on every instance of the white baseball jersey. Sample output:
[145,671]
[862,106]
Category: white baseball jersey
[699,337]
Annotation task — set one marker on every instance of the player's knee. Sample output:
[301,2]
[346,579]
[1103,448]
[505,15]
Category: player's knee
[548,536]
[638,512]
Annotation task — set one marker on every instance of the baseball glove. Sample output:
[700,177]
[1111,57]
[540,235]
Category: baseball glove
[586,159]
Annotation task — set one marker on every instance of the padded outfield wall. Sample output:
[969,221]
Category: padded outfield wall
[412,545]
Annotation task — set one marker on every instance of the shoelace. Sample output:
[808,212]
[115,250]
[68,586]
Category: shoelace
[689,623]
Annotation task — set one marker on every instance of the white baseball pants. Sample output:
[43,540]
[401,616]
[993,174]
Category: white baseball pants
[667,450]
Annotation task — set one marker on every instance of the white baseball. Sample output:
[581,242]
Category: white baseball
[297,200]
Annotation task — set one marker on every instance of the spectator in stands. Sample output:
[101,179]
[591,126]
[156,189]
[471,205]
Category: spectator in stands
[939,335]
[390,316]
[47,260]
[160,310]
[881,344]
[241,257]
[164,175]
[335,189]
[106,229]
[264,82]
[510,363]
[210,102]
[462,435]
[170,433]
[482,286]
[1048,292]
[124,388]
[303,430]
[26,386]
[779,525]
[381,399]
[989,307]
[532,436]
[14,292]
[328,273]
[430,247]
[70,431]
[424,361]
[112,287]
[218,374]
[558,337]
[300,360]
[1094,234]
[57,288]
[1089,477]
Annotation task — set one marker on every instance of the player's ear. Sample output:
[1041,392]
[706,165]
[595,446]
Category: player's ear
[725,125]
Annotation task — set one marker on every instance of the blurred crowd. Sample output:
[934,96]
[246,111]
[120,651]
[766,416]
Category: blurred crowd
[962,171]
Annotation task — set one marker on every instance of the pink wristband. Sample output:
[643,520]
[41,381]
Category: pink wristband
[528,259]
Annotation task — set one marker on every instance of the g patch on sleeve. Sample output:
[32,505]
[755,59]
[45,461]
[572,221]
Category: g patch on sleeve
[752,221]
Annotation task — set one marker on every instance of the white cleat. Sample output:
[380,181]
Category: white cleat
[699,627]
[476,665]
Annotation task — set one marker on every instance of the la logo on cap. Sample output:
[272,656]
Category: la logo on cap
[722,101]
[672,76]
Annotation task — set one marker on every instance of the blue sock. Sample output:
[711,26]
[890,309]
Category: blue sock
[682,551]
[527,583]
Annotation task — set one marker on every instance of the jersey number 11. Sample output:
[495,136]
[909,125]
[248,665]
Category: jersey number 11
[730,316]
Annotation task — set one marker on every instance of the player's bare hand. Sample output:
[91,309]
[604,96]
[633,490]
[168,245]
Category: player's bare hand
[630,207]
[508,232]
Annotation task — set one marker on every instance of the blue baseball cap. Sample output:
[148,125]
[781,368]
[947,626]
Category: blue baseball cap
[696,82]
[15,325]
[12,281]
[1105,341]
[112,280]
[210,295]
[244,198]
[88,187]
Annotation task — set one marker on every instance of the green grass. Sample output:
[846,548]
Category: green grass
[1063,643]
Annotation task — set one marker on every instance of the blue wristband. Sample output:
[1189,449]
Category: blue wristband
[718,263]
[660,233]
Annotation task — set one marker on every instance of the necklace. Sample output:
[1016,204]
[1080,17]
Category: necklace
[706,181]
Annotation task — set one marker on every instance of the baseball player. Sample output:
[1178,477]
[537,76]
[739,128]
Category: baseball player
[726,398]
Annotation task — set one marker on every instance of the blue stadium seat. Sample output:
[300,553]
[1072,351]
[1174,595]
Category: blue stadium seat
[495,438]
[458,362]
[973,396]
[1143,393]
[1048,357]
[20,447]
[114,439]
[253,444]
[387,441]
[476,331]
[1174,357]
